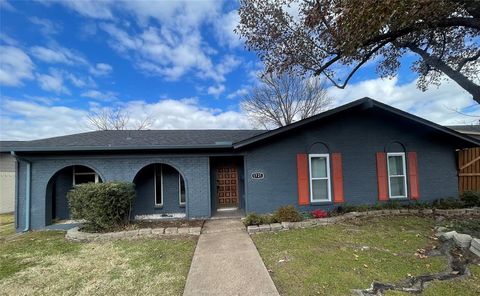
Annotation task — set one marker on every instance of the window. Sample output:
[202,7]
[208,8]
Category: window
[82,175]
[397,178]
[319,177]
[158,180]
[181,190]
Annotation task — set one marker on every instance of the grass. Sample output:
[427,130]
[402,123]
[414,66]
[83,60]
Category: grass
[40,263]
[6,225]
[333,260]
[468,225]
[465,287]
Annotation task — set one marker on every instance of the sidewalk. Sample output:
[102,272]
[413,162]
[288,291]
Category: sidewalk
[226,262]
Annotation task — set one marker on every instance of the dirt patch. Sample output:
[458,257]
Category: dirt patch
[167,223]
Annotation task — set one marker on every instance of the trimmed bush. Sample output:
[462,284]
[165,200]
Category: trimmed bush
[104,206]
[256,219]
[471,198]
[287,214]
[448,203]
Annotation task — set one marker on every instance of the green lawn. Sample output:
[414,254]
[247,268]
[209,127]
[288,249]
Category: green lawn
[6,225]
[333,260]
[41,263]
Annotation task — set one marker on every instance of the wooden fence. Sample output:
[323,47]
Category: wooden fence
[469,169]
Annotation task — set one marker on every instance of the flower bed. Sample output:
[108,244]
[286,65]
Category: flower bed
[353,215]
[76,235]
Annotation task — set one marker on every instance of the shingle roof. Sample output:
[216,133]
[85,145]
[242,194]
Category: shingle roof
[138,139]
[471,130]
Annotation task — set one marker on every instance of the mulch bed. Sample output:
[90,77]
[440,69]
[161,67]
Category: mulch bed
[167,223]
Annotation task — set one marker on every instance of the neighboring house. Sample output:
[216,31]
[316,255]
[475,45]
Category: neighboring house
[471,130]
[7,177]
[360,153]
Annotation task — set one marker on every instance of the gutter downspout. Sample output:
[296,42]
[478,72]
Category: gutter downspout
[28,196]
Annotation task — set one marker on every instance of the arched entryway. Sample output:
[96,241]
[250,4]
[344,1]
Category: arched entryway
[58,186]
[161,192]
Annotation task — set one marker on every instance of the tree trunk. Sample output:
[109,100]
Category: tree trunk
[459,78]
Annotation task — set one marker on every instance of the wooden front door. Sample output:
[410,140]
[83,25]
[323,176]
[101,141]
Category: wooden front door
[227,186]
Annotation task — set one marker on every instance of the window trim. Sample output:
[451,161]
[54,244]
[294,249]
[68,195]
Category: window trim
[180,190]
[155,184]
[402,154]
[329,189]
[97,178]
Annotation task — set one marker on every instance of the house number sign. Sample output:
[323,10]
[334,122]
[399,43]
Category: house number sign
[258,175]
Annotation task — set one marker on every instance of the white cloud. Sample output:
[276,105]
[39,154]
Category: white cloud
[239,93]
[15,66]
[89,8]
[4,4]
[216,90]
[21,120]
[98,95]
[52,82]
[57,54]
[224,29]
[101,69]
[46,26]
[436,104]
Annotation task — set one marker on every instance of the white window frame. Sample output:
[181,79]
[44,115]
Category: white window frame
[155,184]
[329,191]
[402,154]
[180,190]
[80,174]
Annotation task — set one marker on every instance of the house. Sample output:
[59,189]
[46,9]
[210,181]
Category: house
[363,152]
[7,177]
[473,130]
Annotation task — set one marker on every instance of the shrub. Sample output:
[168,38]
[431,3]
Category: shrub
[471,198]
[448,203]
[287,214]
[256,219]
[104,206]
[319,214]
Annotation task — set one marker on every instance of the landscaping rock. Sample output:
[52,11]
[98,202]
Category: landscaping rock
[183,230]
[427,211]
[441,229]
[307,223]
[171,230]
[195,230]
[264,227]
[462,240]
[448,235]
[145,232]
[475,246]
[252,229]
[117,235]
[287,225]
[158,231]
[131,233]
[276,226]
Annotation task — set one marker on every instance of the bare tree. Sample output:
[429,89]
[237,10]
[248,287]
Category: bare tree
[116,119]
[282,99]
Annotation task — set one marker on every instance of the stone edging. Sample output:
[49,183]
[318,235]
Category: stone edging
[76,235]
[353,215]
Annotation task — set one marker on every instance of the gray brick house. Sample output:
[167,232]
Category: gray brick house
[364,152]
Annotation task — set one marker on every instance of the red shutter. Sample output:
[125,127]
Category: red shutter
[302,178]
[337,178]
[413,175]
[382,176]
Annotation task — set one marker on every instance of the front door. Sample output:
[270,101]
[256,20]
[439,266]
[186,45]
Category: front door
[227,186]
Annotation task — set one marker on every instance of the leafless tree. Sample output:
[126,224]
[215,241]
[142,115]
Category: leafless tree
[282,99]
[116,119]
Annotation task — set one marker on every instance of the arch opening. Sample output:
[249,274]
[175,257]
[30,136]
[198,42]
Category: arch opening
[161,192]
[58,186]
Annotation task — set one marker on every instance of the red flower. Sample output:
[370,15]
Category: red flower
[319,214]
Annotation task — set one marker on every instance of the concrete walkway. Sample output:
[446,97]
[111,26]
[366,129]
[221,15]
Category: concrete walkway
[226,262]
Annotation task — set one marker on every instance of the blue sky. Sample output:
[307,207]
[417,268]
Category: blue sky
[178,62]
